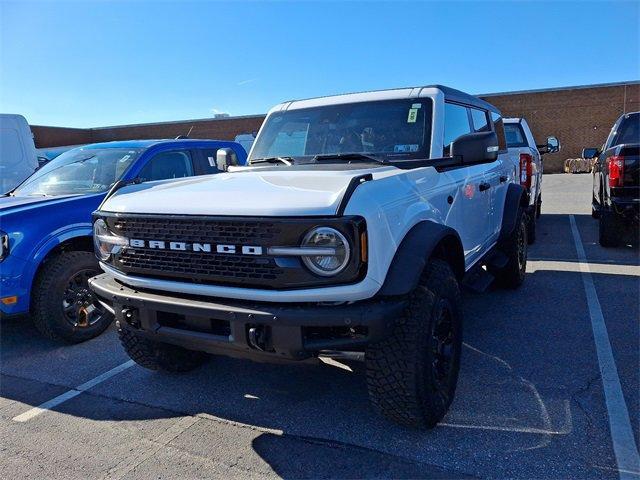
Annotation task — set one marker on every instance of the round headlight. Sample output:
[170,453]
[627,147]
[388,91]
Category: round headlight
[331,239]
[104,242]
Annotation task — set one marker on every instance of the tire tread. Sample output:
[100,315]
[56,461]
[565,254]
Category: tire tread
[43,312]
[393,365]
[158,356]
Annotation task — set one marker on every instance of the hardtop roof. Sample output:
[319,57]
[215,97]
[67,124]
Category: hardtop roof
[450,94]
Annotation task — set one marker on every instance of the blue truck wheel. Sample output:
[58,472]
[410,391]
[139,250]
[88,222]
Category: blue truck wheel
[63,307]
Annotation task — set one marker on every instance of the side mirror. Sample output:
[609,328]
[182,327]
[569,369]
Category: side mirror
[225,158]
[553,145]
[590,153]
[477,147]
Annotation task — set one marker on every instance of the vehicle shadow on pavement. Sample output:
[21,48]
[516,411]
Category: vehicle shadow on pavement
[293,457]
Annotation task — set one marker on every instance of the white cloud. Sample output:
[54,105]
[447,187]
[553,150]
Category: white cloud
[217,111]
[250,80]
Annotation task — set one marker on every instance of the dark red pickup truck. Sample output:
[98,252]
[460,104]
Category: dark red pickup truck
[616,181]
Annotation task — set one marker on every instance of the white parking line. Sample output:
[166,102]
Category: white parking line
[624,444]
[48,405]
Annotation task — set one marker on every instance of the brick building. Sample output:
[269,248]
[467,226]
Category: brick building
[579,116]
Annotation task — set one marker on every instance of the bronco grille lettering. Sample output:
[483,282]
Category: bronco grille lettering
[195,247]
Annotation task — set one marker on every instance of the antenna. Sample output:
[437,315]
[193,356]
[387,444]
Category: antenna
[184,137]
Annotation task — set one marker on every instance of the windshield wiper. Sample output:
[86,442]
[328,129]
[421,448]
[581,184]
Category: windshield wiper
[286,160]
[348,156]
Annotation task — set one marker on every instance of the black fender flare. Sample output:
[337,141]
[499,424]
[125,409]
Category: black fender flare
[415,250]
[516,198]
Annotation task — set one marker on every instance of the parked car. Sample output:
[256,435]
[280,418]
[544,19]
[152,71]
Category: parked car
[18,155]
[46,249]
[362,216]
[527,158]
[616,181]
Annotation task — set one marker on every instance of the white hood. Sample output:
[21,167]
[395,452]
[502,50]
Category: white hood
[254,192]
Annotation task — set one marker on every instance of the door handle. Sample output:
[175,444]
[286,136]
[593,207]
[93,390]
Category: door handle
[484,186]
[503,179]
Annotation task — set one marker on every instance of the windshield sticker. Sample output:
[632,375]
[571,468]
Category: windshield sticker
[125,158]
[212,161]
[406,148]
[416,105]
[413,115]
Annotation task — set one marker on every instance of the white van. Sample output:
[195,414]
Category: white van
[18,157]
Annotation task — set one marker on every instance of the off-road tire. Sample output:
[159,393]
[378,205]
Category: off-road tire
[157,355]
[515,248]
[47,295]
[609,229]
[401,377]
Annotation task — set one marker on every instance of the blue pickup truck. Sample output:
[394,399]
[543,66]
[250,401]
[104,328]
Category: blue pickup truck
[46,247]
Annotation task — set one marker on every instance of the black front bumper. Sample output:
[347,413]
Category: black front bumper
[241,328]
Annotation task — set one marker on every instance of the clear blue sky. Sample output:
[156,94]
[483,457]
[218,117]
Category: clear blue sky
[96,64]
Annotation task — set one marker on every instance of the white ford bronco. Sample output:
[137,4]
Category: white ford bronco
[353,227]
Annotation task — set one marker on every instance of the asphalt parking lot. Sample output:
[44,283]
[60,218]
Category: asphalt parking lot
[530,403]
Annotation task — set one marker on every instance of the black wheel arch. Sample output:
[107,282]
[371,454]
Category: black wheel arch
[516,198]
[74,244]
[425,240]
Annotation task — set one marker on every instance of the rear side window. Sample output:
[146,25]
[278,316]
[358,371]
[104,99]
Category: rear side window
[166,165]
[480,120]
[514,135]
[498,125]
[629,131]
[456,124]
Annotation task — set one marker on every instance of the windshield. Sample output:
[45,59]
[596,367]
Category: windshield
[79,171]
[387,129]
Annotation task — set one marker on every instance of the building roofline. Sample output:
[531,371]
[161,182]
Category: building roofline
[558,89]
[262,115]
[190,120]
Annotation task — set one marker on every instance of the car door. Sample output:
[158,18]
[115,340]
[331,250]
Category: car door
[471,202]
[168,164]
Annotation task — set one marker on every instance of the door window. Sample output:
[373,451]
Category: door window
[176,164]
[456,124]
[480,120]
[208,163]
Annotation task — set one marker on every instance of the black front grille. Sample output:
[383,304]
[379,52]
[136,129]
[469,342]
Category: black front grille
[201,266]
[199,230]
[234,269]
